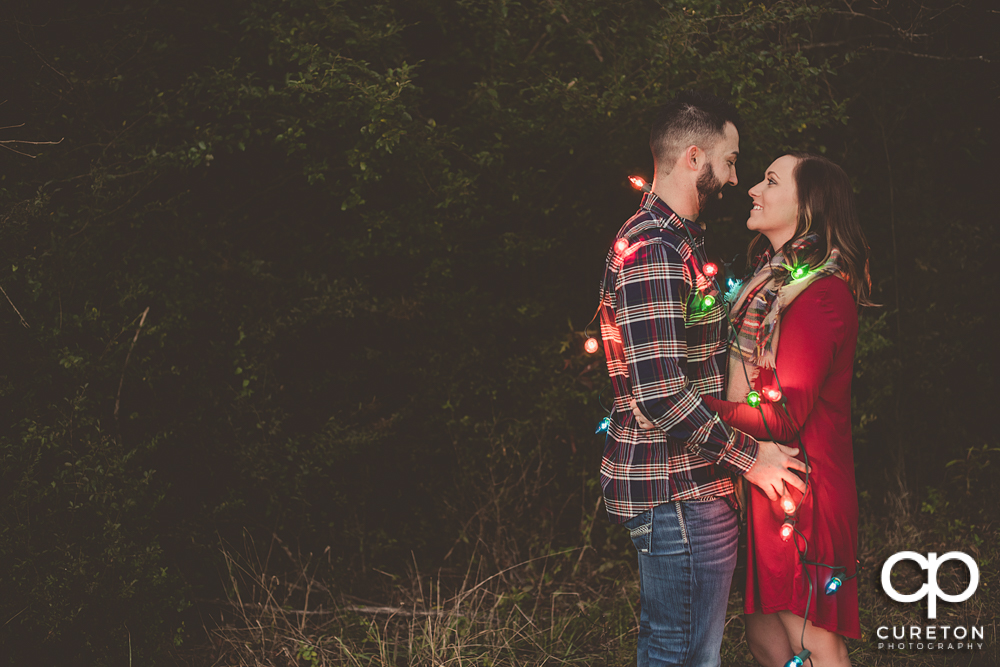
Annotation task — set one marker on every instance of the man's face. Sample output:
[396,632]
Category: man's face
[719,167]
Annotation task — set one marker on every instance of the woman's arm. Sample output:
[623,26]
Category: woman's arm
[765,422]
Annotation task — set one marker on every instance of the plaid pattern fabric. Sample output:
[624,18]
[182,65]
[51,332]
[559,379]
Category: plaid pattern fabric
[665,349]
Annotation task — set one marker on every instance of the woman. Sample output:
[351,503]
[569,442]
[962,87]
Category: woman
[796,324]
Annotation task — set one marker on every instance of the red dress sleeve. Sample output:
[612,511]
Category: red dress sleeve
[812,329]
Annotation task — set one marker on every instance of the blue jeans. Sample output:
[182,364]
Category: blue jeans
[687,554]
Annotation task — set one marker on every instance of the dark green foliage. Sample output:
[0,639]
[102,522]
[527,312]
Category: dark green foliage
[368,238]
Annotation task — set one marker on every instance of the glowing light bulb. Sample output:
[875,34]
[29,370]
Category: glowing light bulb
[591,345]
[603,426]
[787,504]
[800,659]
[787,529]
[834,584]
[709,301]
[773,394]
[621,245]
[710,270]
[639,184]
[753,399]
[800,271]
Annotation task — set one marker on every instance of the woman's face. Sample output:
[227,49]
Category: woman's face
[775,202]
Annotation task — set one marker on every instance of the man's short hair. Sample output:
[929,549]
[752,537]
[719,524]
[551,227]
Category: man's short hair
[691,118]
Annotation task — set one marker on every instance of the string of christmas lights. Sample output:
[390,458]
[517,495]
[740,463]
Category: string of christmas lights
[704,300]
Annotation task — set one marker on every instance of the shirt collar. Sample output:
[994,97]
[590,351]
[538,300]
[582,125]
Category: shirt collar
[654,204]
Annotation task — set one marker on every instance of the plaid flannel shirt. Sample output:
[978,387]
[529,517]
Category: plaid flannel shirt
[665,349]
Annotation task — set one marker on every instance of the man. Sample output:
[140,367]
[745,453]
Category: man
[673,486]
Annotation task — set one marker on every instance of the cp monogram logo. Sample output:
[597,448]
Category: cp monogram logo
[931,590]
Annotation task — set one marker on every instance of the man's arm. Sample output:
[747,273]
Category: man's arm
[772,470]
[651,303]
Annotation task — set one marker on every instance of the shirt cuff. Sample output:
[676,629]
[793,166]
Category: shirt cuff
[740,454]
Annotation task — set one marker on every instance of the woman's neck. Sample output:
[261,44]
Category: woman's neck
[779,239]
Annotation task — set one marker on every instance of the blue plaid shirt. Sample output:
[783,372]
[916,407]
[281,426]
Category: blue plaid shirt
[666,349]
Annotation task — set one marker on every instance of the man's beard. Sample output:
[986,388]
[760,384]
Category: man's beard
[708,186]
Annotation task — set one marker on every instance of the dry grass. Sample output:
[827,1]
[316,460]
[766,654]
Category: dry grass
[518,616]
[572,607]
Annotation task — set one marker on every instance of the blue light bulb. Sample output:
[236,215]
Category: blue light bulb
[603,426]
[834,584]
[800,659]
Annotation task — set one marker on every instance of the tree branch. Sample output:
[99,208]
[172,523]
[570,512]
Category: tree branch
[24,323]
[929,55]
[597,52]
[118,398]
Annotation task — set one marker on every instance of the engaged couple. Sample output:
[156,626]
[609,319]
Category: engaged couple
[732,406]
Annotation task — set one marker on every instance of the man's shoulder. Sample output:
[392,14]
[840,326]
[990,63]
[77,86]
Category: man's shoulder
[646,225]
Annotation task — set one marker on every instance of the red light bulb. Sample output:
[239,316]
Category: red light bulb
[637,182]
[786,530]
[710,270]
[591,345]
[773,394]
[787,504]
[621,245]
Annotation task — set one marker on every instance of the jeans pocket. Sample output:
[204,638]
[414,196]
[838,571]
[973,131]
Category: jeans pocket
[640,529]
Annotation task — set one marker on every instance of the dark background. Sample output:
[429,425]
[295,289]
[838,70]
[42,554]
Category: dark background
[369,238]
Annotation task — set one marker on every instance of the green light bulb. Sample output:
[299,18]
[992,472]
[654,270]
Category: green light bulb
[709,301]
[753,399]
[800,271]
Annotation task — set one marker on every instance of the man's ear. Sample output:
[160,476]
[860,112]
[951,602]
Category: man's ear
[693,157]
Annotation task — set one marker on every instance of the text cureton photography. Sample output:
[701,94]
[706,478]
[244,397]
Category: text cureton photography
[929,638]
[935,636]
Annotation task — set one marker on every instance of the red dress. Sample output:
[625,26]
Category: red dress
[815,361]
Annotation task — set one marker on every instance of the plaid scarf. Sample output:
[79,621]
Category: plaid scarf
[757,307]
